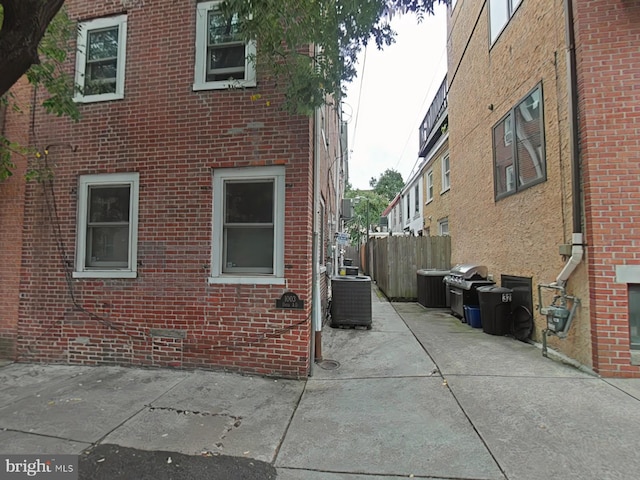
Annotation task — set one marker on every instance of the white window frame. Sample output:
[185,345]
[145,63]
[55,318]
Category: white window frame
[504,8]
[446,173]
[84,182]
[220,176]
[81,58]
[408,197]
[430,188]
[416,201]
[510,175]
[200,76]
[443,226]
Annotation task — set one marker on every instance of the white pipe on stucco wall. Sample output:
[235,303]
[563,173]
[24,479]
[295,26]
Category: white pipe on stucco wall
[576,257]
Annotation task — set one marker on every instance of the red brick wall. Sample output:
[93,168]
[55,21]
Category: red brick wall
[608,36]
[173,137]
[15,127]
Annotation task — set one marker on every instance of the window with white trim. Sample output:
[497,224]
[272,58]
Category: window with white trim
[248,225]
[500,12]
[408,199]
[519,157]
[416,200]
[443,226]
[429,186]
[100,59]
[223,58]
[446,173]
[107,235]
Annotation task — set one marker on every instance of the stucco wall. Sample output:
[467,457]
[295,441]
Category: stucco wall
[519,234]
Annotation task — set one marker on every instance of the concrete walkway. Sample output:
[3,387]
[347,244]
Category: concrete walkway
[420,394]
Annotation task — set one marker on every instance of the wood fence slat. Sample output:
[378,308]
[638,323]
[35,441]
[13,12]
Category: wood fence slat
[395,261]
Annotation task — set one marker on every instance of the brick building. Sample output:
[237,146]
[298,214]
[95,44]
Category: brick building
[189,218]
[544,139]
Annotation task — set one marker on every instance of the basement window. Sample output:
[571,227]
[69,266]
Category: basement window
[106,245]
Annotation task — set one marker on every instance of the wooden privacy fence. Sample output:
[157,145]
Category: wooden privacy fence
[395,261]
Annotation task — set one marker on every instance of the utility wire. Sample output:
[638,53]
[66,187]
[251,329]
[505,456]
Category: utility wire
[355,123]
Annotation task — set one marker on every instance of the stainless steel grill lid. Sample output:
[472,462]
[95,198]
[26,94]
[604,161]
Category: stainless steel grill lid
[469,270]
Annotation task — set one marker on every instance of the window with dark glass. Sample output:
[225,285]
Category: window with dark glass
[634,315]
[248,226]
[108,226]
[223,57]
[225,48]
[100,59]
[518,147]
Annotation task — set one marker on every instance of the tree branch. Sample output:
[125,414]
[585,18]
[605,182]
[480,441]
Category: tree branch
[25,23]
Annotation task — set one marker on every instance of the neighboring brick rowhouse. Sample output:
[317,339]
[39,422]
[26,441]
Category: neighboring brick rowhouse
[174,138]
[14,125]
[608,36]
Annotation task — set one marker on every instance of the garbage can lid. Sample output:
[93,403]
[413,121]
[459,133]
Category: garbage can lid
[494,289]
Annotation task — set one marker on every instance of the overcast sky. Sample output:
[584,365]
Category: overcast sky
[387,102]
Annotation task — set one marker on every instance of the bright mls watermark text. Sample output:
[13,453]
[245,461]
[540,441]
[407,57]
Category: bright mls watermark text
[46,467]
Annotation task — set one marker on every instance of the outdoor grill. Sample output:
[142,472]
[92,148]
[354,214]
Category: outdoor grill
[462,282]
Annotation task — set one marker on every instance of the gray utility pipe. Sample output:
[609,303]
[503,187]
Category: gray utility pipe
[577,250]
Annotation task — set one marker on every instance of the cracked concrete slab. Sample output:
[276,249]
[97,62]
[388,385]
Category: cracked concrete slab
[89,405]
[462,350]
[294,474]
[262,406]
[631,386]
[554,427]
[21,380]
[370,353]
[16,443]
[166,429]
[384,426]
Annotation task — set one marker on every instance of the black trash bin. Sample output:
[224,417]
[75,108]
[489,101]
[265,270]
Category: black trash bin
[351,270]
[432,291]
[495,309]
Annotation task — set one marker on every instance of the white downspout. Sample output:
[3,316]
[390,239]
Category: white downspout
[576,257]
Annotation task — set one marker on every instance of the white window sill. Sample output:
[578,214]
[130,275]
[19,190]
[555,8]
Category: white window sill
[445,190]
[247,280]
[106,274]
[428,201]
[224,85]
[98,98]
